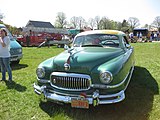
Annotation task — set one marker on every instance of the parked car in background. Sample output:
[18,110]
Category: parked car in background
[95,70]
[15,47]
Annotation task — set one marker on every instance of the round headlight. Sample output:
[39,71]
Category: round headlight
[106,77]
[40,72]
[19,50]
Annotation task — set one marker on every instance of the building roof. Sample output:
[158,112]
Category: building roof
[39,24]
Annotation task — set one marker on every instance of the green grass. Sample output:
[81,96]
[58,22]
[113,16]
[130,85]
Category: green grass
[18,101]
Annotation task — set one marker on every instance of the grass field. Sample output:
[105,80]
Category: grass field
[19,102]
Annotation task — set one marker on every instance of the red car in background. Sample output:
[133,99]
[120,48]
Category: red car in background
[37,39]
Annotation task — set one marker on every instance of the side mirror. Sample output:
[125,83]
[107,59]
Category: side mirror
[128,46]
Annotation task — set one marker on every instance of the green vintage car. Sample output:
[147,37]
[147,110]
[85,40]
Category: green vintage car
[95,70]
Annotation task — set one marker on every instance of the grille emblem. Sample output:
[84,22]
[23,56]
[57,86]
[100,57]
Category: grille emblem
[66,66]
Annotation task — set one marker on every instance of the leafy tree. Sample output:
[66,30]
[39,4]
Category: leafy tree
[104,23]
[133,22]
[156,22]
[114,25]
[125,23]
[13,30]
[118,25]
[60,20]
[125,26]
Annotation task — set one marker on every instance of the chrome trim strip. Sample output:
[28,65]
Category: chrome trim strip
[16,57]
[102,99]
[65,94]
[114,86]
[43,80]
[19,55]
[71,75]
[129,77]
[120,96]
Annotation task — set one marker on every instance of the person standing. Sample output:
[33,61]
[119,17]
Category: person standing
[5,55]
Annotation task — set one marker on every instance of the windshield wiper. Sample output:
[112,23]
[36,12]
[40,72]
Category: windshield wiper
[98,45]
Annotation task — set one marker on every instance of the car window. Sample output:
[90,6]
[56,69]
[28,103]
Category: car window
[78,41]
[97,40]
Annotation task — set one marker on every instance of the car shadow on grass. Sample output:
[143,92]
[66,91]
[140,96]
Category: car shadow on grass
[14,85]
[137,105]
[18,66]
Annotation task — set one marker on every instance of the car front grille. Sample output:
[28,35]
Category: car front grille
[14,51]
[70,81]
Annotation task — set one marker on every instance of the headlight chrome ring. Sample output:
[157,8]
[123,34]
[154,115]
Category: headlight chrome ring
[106,77]
[19,50]
[40,72]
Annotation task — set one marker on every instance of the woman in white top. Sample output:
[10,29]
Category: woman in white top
[5,55]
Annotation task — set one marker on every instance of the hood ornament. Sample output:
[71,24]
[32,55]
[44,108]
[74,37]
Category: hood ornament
[66,66]
[67,63]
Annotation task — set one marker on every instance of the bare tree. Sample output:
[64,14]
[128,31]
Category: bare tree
[133,22]
[60,20]
[91,22]
[156,22]
[74,21]
[81,22]
[97,21]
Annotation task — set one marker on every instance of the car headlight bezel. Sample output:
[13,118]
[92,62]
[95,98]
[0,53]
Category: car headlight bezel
[19,50]
[40,72]
[106,77]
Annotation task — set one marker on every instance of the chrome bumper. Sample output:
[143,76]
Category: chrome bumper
[16,57]
[94,100]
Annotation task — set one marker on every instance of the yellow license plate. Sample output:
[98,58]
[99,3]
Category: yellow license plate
[80,103]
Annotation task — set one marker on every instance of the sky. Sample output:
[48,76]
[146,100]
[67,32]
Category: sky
[18,12]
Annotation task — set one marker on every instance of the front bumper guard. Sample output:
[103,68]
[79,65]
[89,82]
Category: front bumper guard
[94,100]
[16,57]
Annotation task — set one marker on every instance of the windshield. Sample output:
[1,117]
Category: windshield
[100,40]
[9,34]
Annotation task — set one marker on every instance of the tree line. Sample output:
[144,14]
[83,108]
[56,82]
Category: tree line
[78,22]
[102,23]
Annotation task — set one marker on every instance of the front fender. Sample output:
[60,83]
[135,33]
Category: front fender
[48,65]
[119,67]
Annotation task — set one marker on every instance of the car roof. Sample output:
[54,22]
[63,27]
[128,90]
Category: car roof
[112,32]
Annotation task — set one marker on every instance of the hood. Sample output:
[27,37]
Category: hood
[14,44]
[84,59]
